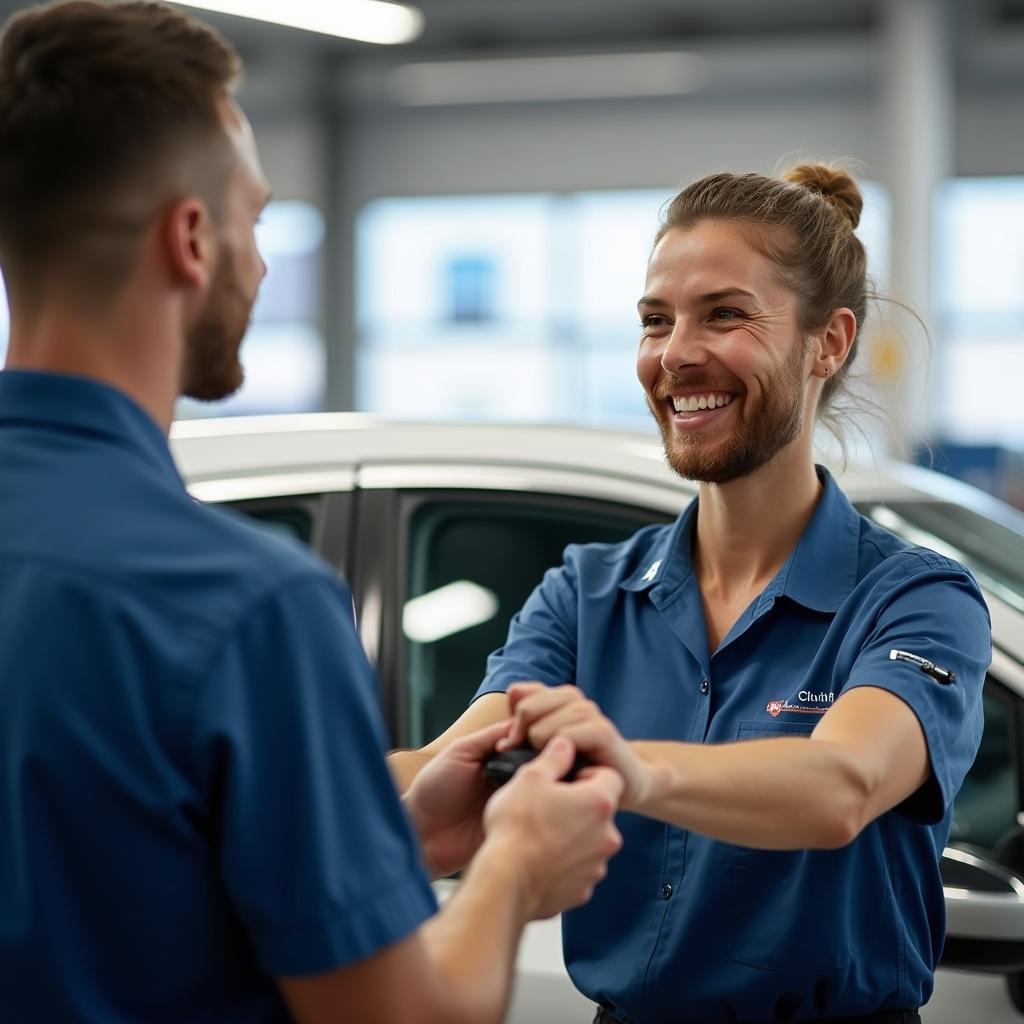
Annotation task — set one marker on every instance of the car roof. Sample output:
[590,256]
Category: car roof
[295,445]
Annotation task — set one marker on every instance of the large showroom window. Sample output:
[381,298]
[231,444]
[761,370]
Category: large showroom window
[979,333]
[979,307]
[515,307]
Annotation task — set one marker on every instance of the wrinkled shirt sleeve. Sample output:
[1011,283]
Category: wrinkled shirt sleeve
[315,851]
[936,611]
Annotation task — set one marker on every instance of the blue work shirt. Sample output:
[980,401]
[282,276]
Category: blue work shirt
[686,928]
[193,792]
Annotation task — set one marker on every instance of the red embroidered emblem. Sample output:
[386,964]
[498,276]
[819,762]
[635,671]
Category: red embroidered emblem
[775,707]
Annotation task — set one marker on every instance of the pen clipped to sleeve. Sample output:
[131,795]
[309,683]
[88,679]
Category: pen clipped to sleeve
[942,675]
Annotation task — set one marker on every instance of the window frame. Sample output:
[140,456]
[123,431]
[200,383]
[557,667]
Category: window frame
[330,515]
[381,577]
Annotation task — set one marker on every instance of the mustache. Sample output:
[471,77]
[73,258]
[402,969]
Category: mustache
[699,381]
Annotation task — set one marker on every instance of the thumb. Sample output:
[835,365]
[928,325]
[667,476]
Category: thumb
[556,758]
[479,744]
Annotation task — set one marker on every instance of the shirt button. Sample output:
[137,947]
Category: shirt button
[704,686]
[666,891]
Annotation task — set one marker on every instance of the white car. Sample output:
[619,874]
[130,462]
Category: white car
[443,530]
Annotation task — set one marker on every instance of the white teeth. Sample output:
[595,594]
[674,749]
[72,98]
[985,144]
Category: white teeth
[693,403]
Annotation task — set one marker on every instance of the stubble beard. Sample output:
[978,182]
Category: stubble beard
[751,443]
[211,370]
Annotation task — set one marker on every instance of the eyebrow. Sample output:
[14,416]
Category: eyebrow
[702,300]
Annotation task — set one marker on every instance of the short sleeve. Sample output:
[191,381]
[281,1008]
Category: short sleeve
[541,643]
[931,609]
[316,853]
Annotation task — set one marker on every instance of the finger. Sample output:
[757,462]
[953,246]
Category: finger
[517,691]
[555,760]
[479,744]
[542,701]
[560,720]
[595,737]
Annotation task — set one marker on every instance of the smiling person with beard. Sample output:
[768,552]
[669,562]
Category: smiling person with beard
[792,694]
[197,822]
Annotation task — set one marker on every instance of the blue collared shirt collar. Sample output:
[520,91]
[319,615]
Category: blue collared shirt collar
[819,573]
[83,404]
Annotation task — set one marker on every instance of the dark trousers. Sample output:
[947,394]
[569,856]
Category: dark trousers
[883,1017]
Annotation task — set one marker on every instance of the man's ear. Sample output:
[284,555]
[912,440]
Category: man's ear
[189,242]
[834,342]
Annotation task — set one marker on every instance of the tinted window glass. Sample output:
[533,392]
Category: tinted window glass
[287,521]
[471,565]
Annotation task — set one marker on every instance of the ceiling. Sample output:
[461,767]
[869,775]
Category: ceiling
[481,26]
[488,28]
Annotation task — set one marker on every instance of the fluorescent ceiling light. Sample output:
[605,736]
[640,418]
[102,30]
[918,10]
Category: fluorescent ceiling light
[533,79]
[369,21]
[449,609]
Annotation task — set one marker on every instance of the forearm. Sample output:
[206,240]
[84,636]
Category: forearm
[474,939]
[780,793]
[405,765]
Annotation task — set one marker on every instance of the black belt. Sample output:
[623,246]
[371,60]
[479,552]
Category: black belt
[882,1017]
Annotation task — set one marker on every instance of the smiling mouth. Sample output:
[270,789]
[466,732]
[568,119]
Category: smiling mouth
[697,403]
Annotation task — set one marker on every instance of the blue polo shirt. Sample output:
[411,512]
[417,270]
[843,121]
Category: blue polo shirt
[193,792]
[686,928]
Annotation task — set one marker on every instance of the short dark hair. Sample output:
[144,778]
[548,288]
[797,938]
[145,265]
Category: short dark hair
[101,104]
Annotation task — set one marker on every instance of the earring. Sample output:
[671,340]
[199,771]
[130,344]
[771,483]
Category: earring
[826,371]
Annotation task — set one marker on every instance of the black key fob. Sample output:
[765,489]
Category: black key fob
[501,766]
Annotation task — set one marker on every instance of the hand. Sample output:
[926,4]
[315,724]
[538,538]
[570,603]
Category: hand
[446,801]
[541,712]
[561,833]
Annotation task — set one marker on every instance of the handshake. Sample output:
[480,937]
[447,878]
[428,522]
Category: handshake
[552,826]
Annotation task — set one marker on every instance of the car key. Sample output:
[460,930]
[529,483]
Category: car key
[503,764]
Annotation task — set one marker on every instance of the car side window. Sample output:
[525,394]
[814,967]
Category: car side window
[294,522]
[320,521]
[470,566]
[985,809]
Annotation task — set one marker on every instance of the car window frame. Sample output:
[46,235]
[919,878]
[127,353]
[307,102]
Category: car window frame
[380,582]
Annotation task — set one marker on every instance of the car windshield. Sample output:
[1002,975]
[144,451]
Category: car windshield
[992,550]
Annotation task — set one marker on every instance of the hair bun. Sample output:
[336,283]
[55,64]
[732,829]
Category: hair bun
[834,184]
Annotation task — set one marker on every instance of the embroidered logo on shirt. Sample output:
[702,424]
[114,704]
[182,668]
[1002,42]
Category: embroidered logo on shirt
[652,572]
[776,707]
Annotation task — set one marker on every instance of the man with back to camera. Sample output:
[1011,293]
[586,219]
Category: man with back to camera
[197,821]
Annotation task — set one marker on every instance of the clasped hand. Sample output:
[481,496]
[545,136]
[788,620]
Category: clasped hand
[540,712]
[559,835]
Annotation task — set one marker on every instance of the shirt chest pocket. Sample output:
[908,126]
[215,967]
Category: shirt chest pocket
[786,906]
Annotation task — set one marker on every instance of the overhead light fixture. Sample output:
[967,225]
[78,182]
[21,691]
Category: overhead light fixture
[449,609]
[538,79]
[369,21]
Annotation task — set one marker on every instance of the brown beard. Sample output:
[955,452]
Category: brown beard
[211,369]
[752,442]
